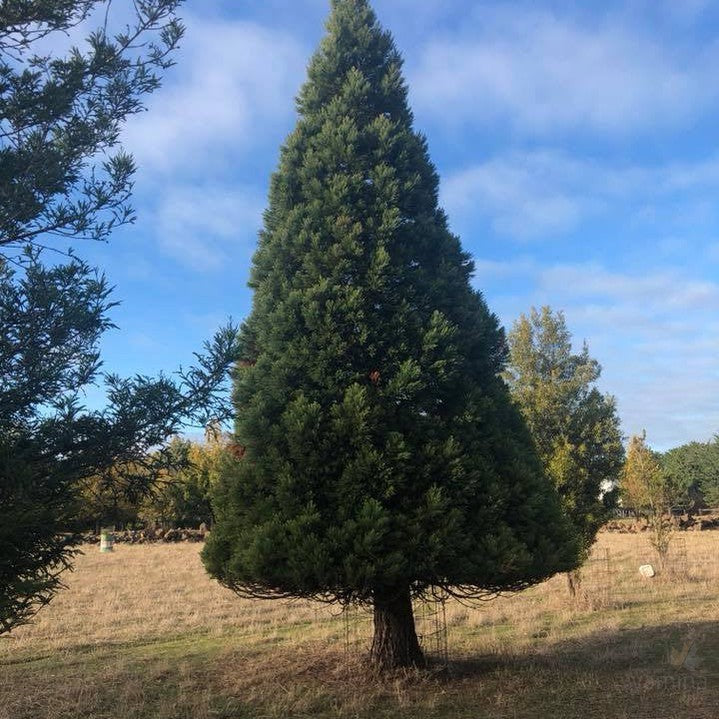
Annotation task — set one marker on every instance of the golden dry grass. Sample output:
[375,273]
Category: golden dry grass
[143,632]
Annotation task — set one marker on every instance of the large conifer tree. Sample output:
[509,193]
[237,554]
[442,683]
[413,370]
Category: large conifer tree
[383,459]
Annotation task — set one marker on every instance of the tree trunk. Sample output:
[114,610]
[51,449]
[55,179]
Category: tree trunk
[574,582]
[395,641]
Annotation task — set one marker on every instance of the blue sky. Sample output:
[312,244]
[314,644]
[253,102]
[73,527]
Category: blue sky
[579,163]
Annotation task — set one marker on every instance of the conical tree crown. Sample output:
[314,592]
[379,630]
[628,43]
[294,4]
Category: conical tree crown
[381,449]
[355,46]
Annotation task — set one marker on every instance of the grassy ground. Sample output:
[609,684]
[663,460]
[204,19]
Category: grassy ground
[144,633]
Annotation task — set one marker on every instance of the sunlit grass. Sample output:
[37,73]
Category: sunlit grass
[143,632]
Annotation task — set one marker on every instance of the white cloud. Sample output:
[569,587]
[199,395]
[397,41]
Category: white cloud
[234,81]
[655,334]
[202,226]
[524,196]
[540,193]
[655,293]
[543,73]
[231,92]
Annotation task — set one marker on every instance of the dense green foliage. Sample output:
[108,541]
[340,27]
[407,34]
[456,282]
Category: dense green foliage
[693,472]
[383,452]
[38,456]
[575,427]
[56,115]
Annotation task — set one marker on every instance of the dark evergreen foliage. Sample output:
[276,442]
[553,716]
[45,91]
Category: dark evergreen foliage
[383,457]
[59,117]
[52,320]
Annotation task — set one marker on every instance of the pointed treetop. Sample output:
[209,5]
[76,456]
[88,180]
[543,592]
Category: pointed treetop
[355,50]
[353,16]
[353,6]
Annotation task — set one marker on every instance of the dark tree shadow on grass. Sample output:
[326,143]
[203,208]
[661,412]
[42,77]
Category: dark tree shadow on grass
[658,671]
[668,671]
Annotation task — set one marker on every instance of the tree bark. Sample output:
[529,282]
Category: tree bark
[574,582]
[395,643]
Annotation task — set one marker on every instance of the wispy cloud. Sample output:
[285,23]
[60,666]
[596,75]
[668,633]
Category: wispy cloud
[543,73]
[655,293]
[545,192]
[524,196]
[237,81]
[201,226]
[231,94]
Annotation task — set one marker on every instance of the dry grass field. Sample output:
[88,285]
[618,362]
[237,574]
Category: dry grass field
[143,632]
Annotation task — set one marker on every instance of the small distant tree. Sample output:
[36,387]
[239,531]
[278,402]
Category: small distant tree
[575,427]
[644,487]
[380,457]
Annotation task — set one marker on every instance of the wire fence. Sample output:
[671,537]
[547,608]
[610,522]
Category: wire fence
[609,580]
[628,574]
[430,619]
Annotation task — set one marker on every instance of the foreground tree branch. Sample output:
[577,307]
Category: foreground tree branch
[62,172]
[63,175]
[50,444]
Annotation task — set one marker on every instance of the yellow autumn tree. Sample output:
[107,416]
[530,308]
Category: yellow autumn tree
[182,497]
[644,488]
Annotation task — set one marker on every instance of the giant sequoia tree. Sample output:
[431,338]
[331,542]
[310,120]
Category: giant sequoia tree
[383,459]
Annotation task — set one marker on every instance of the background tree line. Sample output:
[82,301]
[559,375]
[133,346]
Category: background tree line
[178,497]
